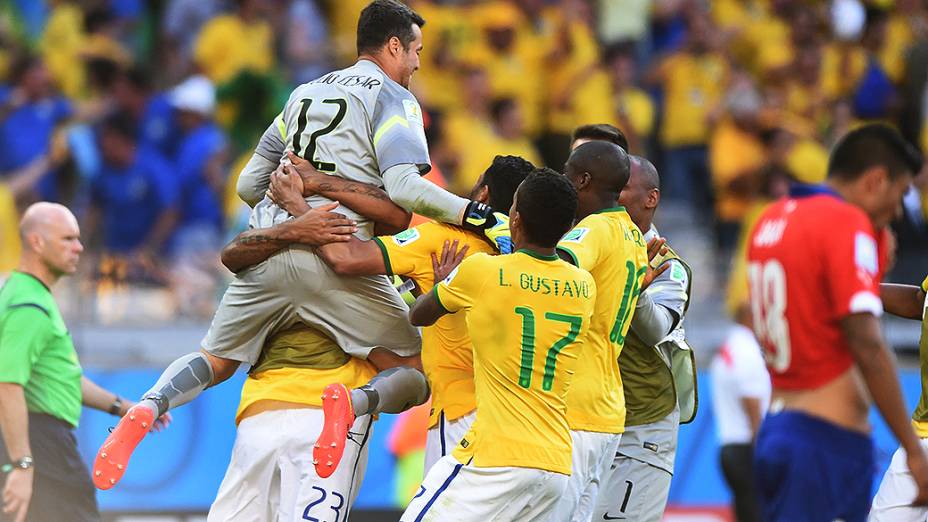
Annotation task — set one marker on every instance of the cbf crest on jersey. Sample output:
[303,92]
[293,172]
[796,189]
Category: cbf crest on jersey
[576,235]
[406,237]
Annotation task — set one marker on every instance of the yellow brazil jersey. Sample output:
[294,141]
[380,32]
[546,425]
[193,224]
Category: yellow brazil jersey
[611,248]
[528,317]
[920,416]
[296,365]
[447,353]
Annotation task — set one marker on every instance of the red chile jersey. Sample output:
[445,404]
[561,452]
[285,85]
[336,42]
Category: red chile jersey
[812,260]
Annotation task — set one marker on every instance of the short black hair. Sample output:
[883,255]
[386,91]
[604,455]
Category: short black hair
[120,124]
[503,177]
[547,204]
[606,163]
[384,19]
[869,146]
[601,132]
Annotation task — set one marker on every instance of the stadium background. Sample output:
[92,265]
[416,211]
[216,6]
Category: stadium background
[731,99]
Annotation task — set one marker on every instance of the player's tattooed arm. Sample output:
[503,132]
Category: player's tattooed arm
[318,226]
[903,300]
[365,199]
[353,257]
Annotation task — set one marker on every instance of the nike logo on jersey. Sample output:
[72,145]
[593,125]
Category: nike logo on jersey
[607,517]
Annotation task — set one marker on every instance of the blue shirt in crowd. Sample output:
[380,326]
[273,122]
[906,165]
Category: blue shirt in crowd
[199,203]
[132,199]
[26,134]
[158,126]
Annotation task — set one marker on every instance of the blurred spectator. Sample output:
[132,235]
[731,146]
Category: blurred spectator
[151,112]
[693,81]
[623,20]
[236,52]
[200,168]
[74,35]
[875,95]
[634,109]
[306,46]
[134,197]
[740,396]
[181,22]
[513,64]
[508,137]
[232,43]
[574,86]
[736,155]
[29,112]
[469,124]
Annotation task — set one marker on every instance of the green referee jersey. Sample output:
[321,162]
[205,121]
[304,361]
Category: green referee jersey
[36,351]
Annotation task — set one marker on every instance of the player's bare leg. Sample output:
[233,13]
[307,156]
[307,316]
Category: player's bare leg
[399,386]
[180,383]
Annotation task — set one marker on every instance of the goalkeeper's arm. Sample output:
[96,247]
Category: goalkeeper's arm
[414,193]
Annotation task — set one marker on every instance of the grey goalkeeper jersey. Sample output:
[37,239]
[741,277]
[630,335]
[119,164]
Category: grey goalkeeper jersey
[354,123]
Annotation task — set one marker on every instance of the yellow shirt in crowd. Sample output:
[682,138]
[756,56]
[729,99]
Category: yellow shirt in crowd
[447,352]
[227,46]
[610,247]
[733,152]
[528,317]
[692,88]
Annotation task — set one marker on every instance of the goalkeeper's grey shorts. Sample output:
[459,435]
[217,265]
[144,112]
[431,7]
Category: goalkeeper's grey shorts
[296,286]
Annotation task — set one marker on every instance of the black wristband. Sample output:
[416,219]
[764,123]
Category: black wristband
[116,407]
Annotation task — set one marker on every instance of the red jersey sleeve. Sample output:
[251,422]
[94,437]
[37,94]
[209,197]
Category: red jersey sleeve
[853,260]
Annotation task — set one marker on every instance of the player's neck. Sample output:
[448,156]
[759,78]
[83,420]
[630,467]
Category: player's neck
[536,249]
[380,63]
[607,202]
[850,192]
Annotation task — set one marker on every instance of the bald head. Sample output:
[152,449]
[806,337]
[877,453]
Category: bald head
[642,194]
[51,240]
[42,216]
[606,163]
[644,170]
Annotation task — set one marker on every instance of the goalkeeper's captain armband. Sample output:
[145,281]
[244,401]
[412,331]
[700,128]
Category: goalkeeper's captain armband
[482,219]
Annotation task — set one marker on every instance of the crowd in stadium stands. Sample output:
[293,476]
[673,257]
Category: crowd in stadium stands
[139,115]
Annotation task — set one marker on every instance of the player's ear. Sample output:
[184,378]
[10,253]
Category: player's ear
[483,194]
[395,46]
[654,198]
[875,179]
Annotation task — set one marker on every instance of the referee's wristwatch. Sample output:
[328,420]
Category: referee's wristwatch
[116,407]
[23,463]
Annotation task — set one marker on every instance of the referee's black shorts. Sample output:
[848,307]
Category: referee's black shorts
[62,490]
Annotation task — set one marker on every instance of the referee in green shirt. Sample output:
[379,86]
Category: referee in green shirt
[41,383]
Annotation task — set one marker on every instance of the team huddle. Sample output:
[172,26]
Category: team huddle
[548,328]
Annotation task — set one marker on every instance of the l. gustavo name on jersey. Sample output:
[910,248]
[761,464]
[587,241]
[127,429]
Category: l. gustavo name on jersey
[770,233]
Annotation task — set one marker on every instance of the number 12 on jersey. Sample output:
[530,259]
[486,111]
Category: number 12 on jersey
[528,345]
[303,120]
[767,283]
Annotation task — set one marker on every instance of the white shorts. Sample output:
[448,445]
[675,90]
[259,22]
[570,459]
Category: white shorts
[637,484]
[893,501]
[444,437]
[271,475]
[296,286]
[592,455]
[465,493]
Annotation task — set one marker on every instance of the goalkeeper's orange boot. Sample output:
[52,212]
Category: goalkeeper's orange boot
[113,456]
[338,416]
